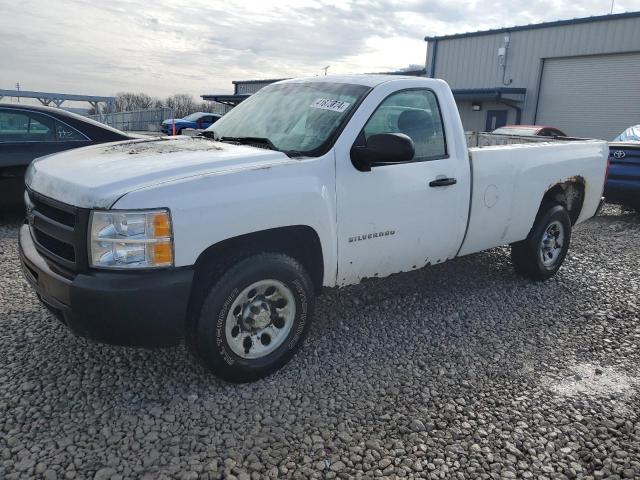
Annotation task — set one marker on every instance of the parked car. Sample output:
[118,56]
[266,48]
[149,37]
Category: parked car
[198,121]
[28,132]
[529,131]
[227,238]
[623,182]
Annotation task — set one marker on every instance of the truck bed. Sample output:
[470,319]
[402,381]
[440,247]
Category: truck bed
[483,139]
[511,174]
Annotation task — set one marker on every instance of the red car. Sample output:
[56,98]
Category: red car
[530,131]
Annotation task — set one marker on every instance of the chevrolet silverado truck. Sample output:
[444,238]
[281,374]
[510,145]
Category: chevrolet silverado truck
[226,239]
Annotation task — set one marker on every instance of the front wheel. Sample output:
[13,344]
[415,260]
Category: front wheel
[253,318]
[541,254]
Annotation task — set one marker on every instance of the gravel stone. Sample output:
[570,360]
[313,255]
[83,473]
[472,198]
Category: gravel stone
[104,474]
[49,475]
[461,370]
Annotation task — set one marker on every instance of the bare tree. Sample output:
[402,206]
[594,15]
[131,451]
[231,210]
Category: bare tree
[182,104]
[127,101]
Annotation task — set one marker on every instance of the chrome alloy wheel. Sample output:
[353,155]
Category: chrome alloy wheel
[260,319]
[551,244]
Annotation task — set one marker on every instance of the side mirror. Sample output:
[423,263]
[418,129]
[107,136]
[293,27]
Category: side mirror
[382,149]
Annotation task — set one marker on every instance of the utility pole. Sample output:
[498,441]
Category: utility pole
[18,89]
[612,4]
[325,69]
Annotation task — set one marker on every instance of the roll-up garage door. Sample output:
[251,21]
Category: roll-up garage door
[594,96]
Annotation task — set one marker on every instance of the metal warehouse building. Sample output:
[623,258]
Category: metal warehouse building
[581,76]
[242,89]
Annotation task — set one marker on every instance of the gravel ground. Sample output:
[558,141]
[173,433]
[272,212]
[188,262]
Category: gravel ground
[462,370]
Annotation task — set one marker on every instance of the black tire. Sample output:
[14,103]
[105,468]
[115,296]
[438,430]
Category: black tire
[179,132]
[527,255]
[207,337]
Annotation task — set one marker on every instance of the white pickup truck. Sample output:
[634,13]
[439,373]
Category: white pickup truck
[226,239]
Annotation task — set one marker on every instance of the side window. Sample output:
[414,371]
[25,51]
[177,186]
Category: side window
[416,114]
[18,126]
[64,133]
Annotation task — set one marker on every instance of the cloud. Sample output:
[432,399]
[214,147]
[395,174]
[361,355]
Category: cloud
[164,47]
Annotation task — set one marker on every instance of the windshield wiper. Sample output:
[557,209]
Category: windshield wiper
[262,141]
[207,134]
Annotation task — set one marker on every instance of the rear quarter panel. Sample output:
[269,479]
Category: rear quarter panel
[510,181]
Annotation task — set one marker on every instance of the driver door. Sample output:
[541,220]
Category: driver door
[401,216]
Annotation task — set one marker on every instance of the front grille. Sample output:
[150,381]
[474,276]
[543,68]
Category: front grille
[66,217]
[56,246]
[59,231]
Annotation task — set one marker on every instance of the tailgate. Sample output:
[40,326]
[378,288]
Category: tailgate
[625,163]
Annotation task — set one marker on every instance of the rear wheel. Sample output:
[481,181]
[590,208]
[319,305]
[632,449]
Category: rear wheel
[542,253]
[253,318]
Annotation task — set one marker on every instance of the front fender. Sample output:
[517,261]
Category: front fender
[207,209]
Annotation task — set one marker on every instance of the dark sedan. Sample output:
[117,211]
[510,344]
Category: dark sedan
[28,132]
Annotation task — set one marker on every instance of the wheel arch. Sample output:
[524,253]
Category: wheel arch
[301,242]
[570,194]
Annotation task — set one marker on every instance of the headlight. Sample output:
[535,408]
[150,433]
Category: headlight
[131,239]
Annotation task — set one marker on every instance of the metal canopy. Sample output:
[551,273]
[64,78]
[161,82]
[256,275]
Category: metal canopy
[232,100]
[488,94]
[57,99]
[494,95]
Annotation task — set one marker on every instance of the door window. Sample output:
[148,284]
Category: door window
[64,133]
[18,126]
[416,114]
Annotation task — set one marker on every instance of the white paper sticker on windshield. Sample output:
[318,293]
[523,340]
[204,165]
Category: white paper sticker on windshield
[328,104]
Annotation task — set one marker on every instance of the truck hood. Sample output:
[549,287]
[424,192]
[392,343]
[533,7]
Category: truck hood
[97,176]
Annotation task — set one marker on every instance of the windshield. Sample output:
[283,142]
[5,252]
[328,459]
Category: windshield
[631,134]
[193,117]
[300,119]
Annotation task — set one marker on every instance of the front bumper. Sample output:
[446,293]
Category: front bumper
[143,308]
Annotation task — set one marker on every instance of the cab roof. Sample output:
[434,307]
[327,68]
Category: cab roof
[367,80]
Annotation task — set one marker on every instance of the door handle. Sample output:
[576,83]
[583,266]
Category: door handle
[442,182]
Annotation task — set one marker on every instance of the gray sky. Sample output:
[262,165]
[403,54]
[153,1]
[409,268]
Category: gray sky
[162,47]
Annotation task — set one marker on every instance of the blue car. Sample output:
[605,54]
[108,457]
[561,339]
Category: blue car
[198,120]
[623,182]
